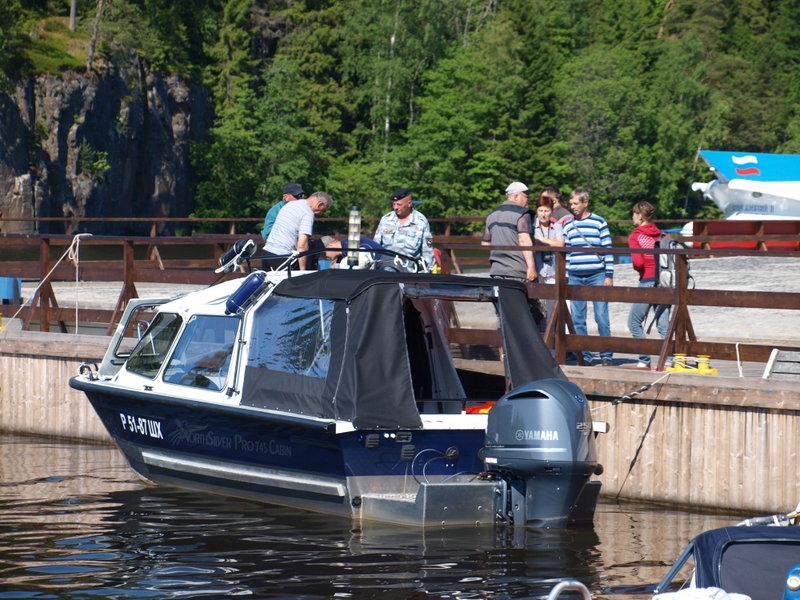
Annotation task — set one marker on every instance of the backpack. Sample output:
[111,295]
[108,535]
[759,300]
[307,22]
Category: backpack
[665,263]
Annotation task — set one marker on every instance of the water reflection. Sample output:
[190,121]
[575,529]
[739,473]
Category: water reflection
[74,523]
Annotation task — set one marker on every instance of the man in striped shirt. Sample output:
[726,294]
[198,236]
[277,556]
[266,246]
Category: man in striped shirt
[587,267]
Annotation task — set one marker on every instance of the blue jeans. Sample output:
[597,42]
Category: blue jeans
[578,310]
[638,317]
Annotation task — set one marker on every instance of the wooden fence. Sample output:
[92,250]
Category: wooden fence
[142,260]
[706,233]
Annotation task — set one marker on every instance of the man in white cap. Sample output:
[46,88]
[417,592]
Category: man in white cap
[510,225]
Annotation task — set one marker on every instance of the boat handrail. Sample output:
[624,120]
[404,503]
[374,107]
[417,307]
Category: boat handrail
[291,258]
[569,585]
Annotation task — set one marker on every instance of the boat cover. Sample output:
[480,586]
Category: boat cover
[746,560]
[335,344]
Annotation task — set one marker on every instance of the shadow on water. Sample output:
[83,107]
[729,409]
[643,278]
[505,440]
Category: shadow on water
[74,524]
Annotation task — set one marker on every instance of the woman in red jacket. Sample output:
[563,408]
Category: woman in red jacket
[646,235]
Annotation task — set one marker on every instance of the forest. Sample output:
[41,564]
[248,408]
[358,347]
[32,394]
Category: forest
[451,98]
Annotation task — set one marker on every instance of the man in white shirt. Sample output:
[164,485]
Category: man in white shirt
[293,228]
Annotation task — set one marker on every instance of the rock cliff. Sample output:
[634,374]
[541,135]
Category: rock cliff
[109,144]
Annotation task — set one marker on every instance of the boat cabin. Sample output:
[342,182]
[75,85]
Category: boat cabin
[373,348]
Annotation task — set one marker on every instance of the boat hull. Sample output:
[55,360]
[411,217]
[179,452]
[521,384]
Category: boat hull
[407,477]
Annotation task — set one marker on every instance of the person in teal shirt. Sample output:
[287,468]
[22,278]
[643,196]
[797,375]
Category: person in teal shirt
[291,191]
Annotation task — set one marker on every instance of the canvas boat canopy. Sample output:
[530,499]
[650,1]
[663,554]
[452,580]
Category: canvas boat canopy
[371,347]
[744,560]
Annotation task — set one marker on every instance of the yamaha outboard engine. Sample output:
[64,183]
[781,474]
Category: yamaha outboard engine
[539,440]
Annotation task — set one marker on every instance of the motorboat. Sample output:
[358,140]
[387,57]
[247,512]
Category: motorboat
[752,185]
[758,558]
[356,392]
[761,562]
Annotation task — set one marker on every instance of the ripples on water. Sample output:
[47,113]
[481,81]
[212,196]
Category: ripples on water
[75,523]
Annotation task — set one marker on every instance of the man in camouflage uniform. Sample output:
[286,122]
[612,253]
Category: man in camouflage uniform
[406,230]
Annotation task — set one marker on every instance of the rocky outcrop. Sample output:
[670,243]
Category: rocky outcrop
[110,144]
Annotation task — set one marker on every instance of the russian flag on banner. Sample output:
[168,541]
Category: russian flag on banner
[748,159]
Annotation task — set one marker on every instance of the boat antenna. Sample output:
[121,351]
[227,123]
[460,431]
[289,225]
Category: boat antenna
[353,237]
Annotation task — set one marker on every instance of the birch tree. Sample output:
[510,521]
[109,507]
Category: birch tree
[73,13]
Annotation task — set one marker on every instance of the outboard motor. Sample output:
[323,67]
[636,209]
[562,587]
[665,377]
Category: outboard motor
[539,440]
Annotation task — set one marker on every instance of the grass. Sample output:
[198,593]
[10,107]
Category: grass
[53,48]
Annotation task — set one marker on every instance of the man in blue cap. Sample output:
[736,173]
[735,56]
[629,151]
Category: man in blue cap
[405,230]
[291,191]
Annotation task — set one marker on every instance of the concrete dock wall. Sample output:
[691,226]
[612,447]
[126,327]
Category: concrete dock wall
[689,440]
[35,397]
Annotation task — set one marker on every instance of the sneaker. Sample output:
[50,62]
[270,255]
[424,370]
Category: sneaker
[642,365]
[607,362]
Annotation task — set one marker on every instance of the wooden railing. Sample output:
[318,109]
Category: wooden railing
[152,267]
[763,235]
[127,270]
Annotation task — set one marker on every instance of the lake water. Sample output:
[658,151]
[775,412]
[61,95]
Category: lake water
[75,523]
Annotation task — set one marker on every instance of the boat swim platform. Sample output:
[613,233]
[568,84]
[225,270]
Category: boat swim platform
[717,442]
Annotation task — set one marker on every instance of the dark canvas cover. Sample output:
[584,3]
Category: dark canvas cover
[747,560]
[375,372]
[366,378]
[347,284]
[358,368]
[527,356]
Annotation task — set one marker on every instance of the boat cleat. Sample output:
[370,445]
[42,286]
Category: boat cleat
[702,365]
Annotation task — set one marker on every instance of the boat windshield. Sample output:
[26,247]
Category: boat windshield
[202,356]
[149,354]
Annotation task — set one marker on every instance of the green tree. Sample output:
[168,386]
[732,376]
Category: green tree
[232,70]
[601,99]
[454,154]
[262,141]
[11,34]
[387,49]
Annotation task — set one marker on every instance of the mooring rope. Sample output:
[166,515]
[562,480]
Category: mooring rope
[641,390]
[73,253]
[633,395]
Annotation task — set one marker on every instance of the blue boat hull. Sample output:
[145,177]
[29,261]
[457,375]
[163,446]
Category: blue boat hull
[276,458]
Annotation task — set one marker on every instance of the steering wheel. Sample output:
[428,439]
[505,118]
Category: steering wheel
[196,378]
